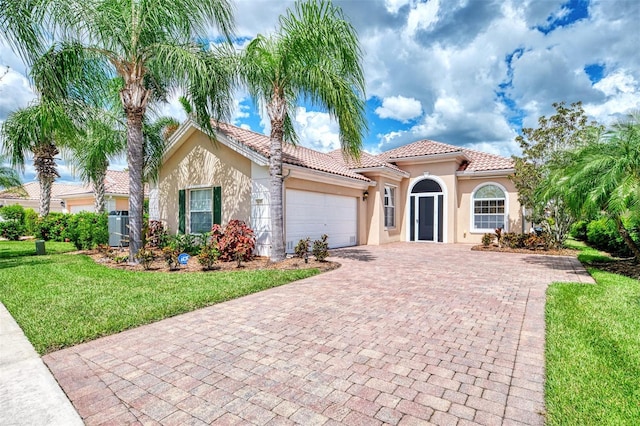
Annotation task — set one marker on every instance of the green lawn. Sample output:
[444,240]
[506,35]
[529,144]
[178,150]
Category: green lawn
[60,300]
[593,350]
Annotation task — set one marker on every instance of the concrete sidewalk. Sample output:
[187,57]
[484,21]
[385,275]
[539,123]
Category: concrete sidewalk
[29,395]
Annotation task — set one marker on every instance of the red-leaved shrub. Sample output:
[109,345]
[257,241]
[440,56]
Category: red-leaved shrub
[236,242]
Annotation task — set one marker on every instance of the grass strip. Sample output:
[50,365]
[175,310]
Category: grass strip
[593,350]
[62,300]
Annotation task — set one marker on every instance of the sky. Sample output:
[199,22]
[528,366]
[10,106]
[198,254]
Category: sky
[470,73]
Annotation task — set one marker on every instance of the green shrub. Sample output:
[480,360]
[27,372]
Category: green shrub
[30,221]
[14,212]
[579,230]
[603,234]
[186,243]
[321,248]
[208,256]
[11,230]
[146,256]
[52,227]
[302,249]
[487,239]
[87,230]
[171,257]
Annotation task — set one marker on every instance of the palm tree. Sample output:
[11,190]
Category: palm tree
[315,56]
[8,176]
[90,151]
[33,130]
[149,45]
[604,176]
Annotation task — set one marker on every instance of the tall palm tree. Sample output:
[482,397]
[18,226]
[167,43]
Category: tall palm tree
[314,55]
[33,130]
[604,176]
[150,45]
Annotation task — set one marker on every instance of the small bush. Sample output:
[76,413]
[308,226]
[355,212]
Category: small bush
[52,227]
[236,242]
[156,234]
[146,256]
[603,234]
[186,243]
[11,230]
[14,212]
[579,230]
[302,249]
[321,248]
[87,230]
[30,221]
[171,257]
[487,239]
[208,256]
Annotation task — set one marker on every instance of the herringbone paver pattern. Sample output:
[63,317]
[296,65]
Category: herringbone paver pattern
[400,334]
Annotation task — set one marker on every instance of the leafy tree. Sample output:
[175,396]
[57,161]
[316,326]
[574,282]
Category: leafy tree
[543,149]
[314,55]
[604,176]
[149,45]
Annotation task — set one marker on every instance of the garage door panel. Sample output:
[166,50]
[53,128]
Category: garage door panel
[312,214]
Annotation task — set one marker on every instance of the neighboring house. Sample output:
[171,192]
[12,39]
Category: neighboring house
[116,194]
[30,197]
[425,191]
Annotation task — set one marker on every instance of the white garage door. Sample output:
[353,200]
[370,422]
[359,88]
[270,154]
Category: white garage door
[311,214]
[83,208]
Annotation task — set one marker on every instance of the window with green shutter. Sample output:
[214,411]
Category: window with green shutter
[202,207]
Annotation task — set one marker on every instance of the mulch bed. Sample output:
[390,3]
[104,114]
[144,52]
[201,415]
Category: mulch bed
[550,252]
[627,267]
[258,263]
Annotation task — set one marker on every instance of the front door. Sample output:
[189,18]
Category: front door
[427,217]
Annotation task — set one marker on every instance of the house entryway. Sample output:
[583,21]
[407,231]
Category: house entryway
[427,212]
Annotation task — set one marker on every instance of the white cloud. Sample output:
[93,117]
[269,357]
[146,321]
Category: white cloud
[399,108]
[422,16]
[316,130]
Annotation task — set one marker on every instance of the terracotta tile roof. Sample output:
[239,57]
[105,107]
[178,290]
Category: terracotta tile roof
[477,161]
[366,161]
[293,155]
[419,149]
[32,190]
[482,161]
[116,182]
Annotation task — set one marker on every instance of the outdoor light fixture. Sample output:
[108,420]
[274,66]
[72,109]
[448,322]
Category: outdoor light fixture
[365,195]
[62,204]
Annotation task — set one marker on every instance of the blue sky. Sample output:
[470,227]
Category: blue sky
[465,72]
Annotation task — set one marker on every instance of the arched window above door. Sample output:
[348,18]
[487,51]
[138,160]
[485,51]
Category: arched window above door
[426,185]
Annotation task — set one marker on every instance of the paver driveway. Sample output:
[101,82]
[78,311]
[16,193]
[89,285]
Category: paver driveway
[400,334]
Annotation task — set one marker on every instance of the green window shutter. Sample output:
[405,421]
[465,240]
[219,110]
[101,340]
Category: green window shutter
[217,205]
[182,204]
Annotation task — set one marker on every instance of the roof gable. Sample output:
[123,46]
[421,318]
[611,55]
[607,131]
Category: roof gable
[295,155]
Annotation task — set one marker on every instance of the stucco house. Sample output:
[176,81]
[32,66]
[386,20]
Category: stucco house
[116,194]
[29,196]
[425,191]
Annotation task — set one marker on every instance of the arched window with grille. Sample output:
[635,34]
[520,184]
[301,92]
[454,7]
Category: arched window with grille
[489,208]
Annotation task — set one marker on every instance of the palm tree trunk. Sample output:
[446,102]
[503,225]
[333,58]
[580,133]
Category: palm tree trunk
[276,187]
[45,164]
[627,239]
[45,194]
[135,157]
[98,189]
